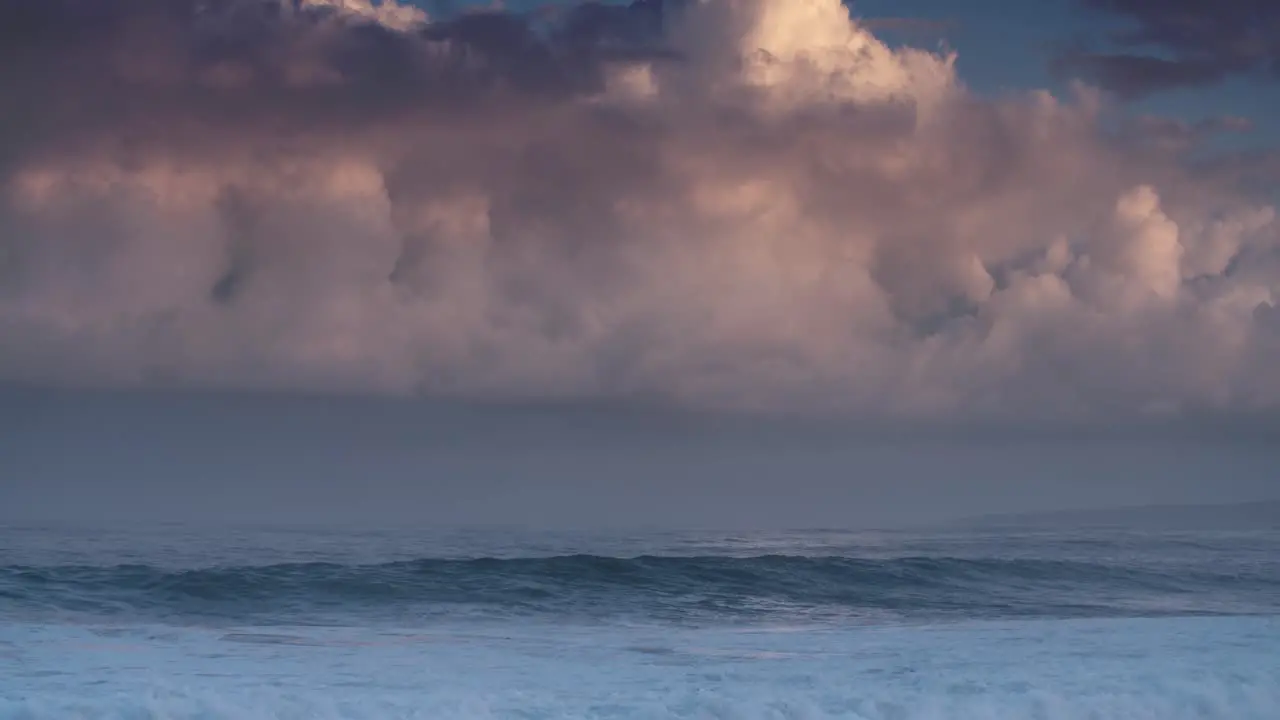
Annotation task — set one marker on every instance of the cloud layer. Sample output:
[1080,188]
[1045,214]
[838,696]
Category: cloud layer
[743,203]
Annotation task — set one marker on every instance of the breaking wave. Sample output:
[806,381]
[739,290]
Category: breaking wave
[659,587]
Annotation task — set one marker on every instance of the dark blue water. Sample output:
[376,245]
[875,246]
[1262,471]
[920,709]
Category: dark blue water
[270,577]
[173,623]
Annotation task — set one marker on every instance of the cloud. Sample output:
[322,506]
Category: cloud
[1136,76]
[731,203]
[1182,43]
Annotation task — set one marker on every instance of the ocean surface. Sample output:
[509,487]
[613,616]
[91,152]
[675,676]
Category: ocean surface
[173,622]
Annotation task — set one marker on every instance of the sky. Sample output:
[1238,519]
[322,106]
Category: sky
[1018,46]
[937,216]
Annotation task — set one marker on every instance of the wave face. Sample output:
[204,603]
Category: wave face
[665,587]
[991,625]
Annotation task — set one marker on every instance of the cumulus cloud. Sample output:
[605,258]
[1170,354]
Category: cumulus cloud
[742,203]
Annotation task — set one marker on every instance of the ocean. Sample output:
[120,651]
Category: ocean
[997,623]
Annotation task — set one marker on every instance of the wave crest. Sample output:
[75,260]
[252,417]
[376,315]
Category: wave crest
[653,586]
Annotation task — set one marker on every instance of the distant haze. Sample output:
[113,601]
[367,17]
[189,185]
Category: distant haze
[268,458]
[1217,516]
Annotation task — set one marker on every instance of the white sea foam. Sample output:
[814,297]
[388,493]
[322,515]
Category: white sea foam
[1155,669]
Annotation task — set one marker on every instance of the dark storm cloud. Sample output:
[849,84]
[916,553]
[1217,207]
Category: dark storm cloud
[1172,44]
[1136,76]
[81,62]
